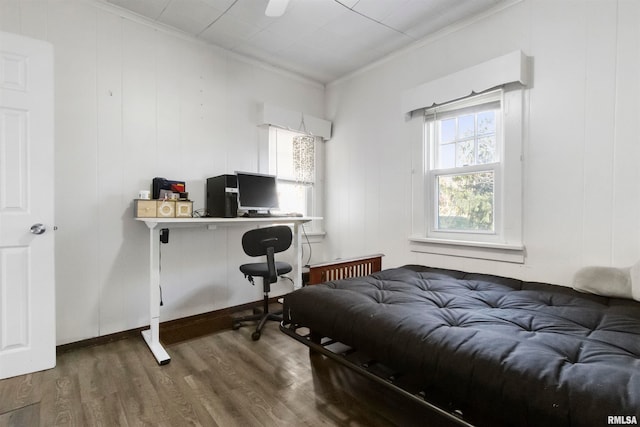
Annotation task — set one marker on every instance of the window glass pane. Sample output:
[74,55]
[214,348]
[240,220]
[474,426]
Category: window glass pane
[447,130]
[466,202]
[447,156]
[486,122]
[466,126]
[465,155]
[294,197]
[284,156]
[487,150]
[474,135]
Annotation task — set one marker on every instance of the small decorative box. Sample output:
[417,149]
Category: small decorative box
[184,209]
[166,208]
[144,208]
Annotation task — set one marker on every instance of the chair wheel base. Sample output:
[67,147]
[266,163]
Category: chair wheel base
[260,318]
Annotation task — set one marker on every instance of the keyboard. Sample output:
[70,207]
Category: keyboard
[271,215]
[286,215]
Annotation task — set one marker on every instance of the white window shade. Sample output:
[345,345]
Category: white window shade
[293,120]
[510,68]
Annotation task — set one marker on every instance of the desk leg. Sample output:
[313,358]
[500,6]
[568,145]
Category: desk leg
[297,248]
[152,335]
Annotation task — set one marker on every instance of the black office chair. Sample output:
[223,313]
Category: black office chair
[260,242]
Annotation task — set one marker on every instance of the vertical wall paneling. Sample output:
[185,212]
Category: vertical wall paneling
[139,158]
[10,17]
[112,204]
[625,228]
[599,132]
[73,25]
[581,205]
[34,19]
[554,187]
[134,101]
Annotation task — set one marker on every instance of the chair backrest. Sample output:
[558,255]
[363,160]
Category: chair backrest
[256,242]
[267,241]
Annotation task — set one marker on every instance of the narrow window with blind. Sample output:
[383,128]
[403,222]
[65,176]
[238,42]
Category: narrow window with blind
[292,159]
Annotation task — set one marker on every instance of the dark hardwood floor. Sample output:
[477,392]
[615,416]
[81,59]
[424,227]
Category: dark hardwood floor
[222,379]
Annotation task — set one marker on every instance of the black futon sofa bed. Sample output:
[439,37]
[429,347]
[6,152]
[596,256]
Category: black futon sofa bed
[480,349]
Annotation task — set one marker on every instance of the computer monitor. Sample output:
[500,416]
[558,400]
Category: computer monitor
[257,192]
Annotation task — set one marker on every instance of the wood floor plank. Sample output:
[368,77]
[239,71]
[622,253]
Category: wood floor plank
[105,410]
[20,391]
[222,411]
[140,399]
[96,380]
[61,404]
[179,407]
[22,417]
[224,379]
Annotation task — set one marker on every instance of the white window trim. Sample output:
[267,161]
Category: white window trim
[507,244]
[488,251]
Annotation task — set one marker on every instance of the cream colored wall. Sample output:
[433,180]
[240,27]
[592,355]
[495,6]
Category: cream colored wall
[132,102]
[581,153]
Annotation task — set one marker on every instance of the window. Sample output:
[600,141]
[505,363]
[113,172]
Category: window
[464,140]
[293,159]
[468,200]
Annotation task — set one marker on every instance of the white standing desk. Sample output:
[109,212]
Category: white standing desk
[152,335]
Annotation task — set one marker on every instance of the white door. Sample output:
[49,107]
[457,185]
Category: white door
[27,286]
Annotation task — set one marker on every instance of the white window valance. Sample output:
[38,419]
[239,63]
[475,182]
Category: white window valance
[510,68]
[293,120]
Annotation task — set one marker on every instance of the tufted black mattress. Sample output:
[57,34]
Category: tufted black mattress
[500,350]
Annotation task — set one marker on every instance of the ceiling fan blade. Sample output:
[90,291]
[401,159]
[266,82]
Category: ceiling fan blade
[276,8]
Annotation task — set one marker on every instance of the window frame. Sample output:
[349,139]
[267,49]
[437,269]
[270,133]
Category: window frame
[472,104]
[505,243]
[432,176]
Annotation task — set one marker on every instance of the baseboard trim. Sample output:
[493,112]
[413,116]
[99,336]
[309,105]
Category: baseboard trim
[175,331]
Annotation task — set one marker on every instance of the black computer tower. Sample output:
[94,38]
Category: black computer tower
[222,196]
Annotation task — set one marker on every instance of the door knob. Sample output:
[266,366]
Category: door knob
[38,228]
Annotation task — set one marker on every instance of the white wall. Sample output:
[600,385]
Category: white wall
[133,102]
[581,153]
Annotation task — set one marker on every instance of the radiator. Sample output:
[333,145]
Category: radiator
[344,268]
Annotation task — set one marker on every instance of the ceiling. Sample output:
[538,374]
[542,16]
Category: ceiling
[320,39]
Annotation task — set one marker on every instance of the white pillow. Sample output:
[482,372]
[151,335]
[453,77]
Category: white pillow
[634,272]
[609,281]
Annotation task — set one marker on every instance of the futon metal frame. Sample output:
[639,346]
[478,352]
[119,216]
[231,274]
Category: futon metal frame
[355,360]
[370,368]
